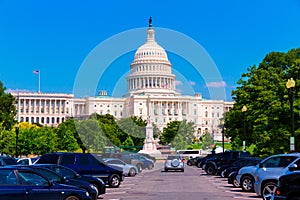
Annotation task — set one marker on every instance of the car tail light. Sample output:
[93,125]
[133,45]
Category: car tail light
[278,192]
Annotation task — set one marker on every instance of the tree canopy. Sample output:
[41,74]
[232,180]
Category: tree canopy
[178,134]
[262,89]
[7,108]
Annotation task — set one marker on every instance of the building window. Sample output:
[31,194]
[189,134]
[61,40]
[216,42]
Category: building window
[212,114]
[206,122]
[195,112]
[115,113]
[206,114]
[95,105]
[141,104]
[218,115]
[141,111]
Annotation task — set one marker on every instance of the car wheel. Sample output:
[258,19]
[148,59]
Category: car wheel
[96,188]
[210,170]
[166,170]
[71,198]
[139,166]
[114,181]
[150,166]
[235,182]
[189,163]
[247,184]
[199,164]
[268,190]
[132,172]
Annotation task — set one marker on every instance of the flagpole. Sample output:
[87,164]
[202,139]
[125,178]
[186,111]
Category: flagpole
[39,74]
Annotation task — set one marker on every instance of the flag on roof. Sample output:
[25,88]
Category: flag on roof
[36,71]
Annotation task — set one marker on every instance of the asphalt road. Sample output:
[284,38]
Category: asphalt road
[193,184]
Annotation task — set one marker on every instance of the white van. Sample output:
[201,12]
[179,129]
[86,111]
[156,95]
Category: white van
[189,153]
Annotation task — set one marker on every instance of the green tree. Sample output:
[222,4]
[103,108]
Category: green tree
[91,135]
[207,141]
[7,142]
[133,127]
[7,108]
[67,136]
[179,134]
[262,89]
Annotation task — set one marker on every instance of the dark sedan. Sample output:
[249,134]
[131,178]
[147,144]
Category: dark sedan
[71,174]
[54,177]
[24,183]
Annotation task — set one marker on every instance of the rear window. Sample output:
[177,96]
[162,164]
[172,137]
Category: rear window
[68,159]
[48,159]
[10,161]
[172,157]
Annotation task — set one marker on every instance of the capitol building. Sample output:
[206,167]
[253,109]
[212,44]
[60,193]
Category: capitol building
[151,94]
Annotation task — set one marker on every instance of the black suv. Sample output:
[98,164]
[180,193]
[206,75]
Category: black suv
[227,157]
[86,164]
[288,187]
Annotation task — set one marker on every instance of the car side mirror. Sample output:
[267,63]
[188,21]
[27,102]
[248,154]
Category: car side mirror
[260,165]
[77,176]
[293,167]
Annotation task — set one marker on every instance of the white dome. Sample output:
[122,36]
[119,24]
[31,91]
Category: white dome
[150,52]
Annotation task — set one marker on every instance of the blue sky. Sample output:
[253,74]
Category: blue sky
[56,37]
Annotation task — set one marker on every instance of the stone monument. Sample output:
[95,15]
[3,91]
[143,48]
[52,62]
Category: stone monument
[149,146]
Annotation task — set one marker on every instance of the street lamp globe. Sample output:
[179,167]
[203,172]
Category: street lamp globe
[290,83]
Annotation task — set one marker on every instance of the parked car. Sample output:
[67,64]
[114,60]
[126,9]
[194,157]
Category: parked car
[20,183]
[242,162]
[85,164]
[174,162]
[212,165]
[7,160]
[126,157]
[288,187]
[26,161]
[193,161]
[128,169]
[148,156]
[54,177]
[146,163]
[269,170]
[71,174]
[231,179]
[246,177]
[201,162]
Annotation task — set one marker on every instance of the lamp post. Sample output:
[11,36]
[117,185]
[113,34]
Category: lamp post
[17,138]
[244,109]
[290,85]
[223,135]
